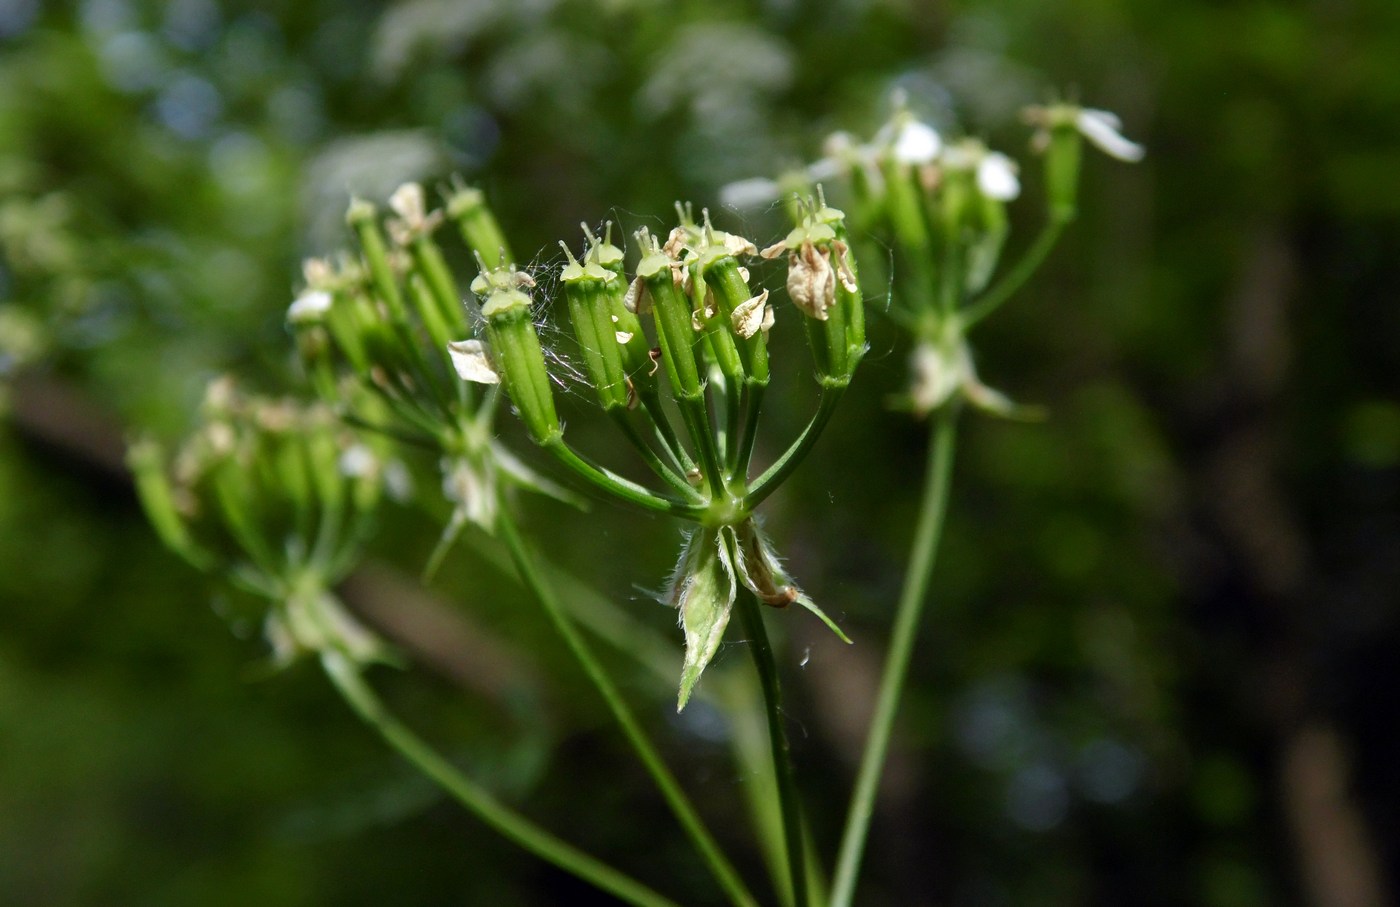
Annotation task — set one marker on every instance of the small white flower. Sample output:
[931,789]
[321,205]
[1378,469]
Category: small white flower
[1104,130]
[916,143]
[996,177]
[470,360]
[357,462]
[623,337]
[309,307]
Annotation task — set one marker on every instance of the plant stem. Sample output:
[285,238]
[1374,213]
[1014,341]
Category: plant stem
[906,626]
[362,698]
[612,484]
[774,475]
[1004,288]
[767,667]
[723,871]
[666,472]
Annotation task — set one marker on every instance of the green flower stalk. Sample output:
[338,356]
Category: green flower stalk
[941,207]
[277,498]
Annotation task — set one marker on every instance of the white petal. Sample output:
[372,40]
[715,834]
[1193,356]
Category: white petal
[996,177]
[357,462]
[469,359]
[750,193]
[917,143]
[623,336]
[1101,128]
[309,306]
[827,168]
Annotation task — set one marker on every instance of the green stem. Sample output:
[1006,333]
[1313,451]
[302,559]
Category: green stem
[652,410]
[788,800]
[1003,289]
[665,471]
[774,475]
[740,467]
[362,698]
[615,485]
[697,421]
[906,625]
[670,788]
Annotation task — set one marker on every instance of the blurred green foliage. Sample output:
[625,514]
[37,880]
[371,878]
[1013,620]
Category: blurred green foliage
[1140,603]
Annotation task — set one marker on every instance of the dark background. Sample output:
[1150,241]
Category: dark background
[1159,662]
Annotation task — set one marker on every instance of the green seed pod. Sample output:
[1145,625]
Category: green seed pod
[729,288]
[146,460]
[1062,170]
[674,330]
[515,347]
[467,207]
[850,302]
[361,217]
[590,308]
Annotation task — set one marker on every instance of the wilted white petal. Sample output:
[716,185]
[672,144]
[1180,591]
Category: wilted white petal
[636,300]
[996,177]
[752,316]
[470,361]
[309,306]
[917,143]
[737,245]
[750,193]
[1101,128]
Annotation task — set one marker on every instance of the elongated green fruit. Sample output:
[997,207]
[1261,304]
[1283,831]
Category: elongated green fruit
[516,349]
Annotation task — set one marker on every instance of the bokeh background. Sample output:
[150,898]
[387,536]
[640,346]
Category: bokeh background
[1160,662]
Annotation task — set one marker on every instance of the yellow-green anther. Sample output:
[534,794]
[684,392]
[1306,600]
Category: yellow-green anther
[515,347]
[674,331]
[467,207]
[362,219]
[599,338]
